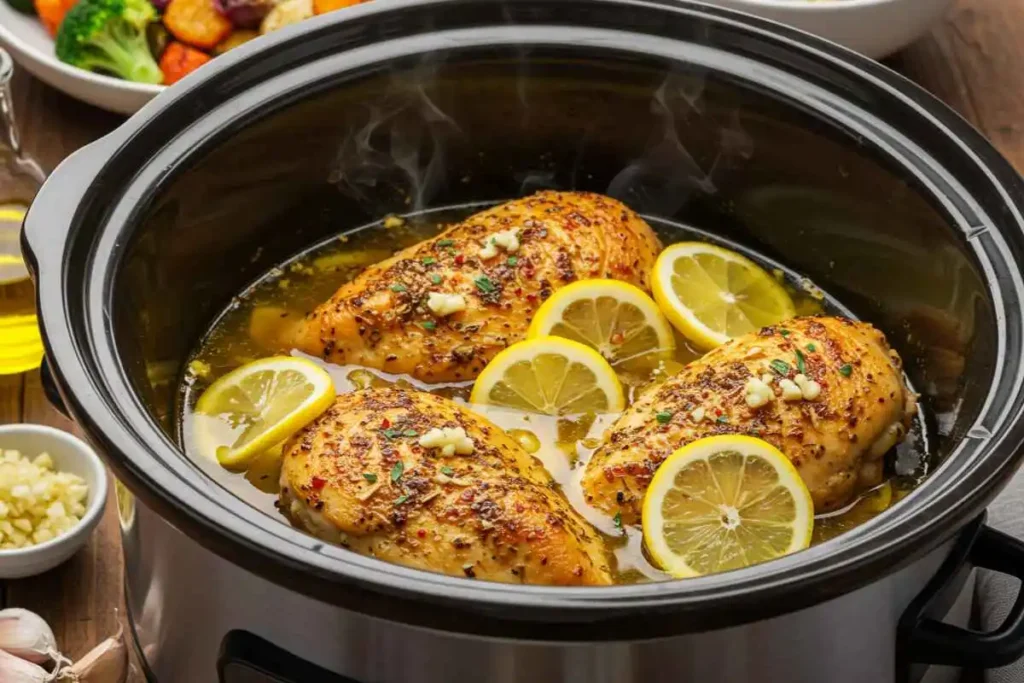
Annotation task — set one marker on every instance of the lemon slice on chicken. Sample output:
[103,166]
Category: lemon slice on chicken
[713,295]
[260,404]
[550,375]
[725,502]
[615,318]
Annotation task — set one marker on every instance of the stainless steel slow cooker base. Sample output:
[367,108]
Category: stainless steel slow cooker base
[191,608]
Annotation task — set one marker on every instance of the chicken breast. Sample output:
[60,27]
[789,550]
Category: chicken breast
[358,476]
[836,439]
[441,309]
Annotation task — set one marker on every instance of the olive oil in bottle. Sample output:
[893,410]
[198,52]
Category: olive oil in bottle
[21,347]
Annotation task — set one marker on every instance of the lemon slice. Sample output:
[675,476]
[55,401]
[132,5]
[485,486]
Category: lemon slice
[725,502]
[261,404]
[713,295]
[617,319]
[550,375]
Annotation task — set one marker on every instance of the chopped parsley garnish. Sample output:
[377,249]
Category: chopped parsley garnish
[401,499]
[445,243]
[780,366]
[812,348]
[484,284]
[428,324]
[512,260]
[398,288]
[370,477]
[617,520]
[429,260]
[664,417]
[801,366]
[846,370]
[722,419]
[784,333]
[397,470]
[435,278]
[392,433]
[410,432]
[447,471]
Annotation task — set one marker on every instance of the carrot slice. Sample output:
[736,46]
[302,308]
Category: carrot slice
[179,61]
[51,13]
[325,6]
[196,23]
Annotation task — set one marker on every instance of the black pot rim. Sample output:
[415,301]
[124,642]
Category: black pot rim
[97,392]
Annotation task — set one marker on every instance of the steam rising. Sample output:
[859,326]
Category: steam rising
[399,146]
[662,179]
[398,151]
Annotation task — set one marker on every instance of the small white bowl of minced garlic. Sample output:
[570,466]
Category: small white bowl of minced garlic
[52,491]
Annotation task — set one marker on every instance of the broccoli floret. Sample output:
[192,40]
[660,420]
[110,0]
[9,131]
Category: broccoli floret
[110,36]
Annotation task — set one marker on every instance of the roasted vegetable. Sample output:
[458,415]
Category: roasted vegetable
[158,38]
[287,13]
[109,36]
[179,61]
[245,13]
[325,6]
[234,40]
[51,13]
[196,23]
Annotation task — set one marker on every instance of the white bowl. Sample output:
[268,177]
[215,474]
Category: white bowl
[70,454]
[32,48]
[876,28]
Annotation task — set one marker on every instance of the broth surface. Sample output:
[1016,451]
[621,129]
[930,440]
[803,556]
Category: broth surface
[298,285]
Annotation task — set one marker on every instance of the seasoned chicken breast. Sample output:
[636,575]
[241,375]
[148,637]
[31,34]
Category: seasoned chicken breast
[441,309]
[835,422]
[360,477]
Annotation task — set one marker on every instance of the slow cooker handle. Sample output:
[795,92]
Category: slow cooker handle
[924,640]
[53,210]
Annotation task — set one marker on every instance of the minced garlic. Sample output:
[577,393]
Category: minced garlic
[451,440]
[790,391]
[809,389]
[506,239]
[758,393]
[698,414]
[767,378]
[445,304]
[37,503]
[200,368]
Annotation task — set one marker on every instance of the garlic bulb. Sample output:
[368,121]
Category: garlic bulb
[16,670]
[26,635]
[105,663]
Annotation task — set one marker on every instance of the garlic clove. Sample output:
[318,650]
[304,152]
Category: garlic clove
[17,670]
[105,663]
[26,635]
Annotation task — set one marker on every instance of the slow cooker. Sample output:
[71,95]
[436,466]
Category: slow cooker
[819,158]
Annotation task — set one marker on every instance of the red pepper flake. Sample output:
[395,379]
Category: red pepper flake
[385,423]
[318,483]
[422,533]
[531,297]
[718,411]
[519,291]
[459,259]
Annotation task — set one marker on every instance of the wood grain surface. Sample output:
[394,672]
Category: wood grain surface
[973,60]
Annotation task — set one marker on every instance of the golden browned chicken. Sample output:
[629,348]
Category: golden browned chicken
[441,309]
[827,392]
[379,474]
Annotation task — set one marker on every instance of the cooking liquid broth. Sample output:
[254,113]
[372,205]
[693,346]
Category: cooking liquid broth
[563,444]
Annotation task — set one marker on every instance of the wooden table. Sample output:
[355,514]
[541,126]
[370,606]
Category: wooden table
[974,60]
